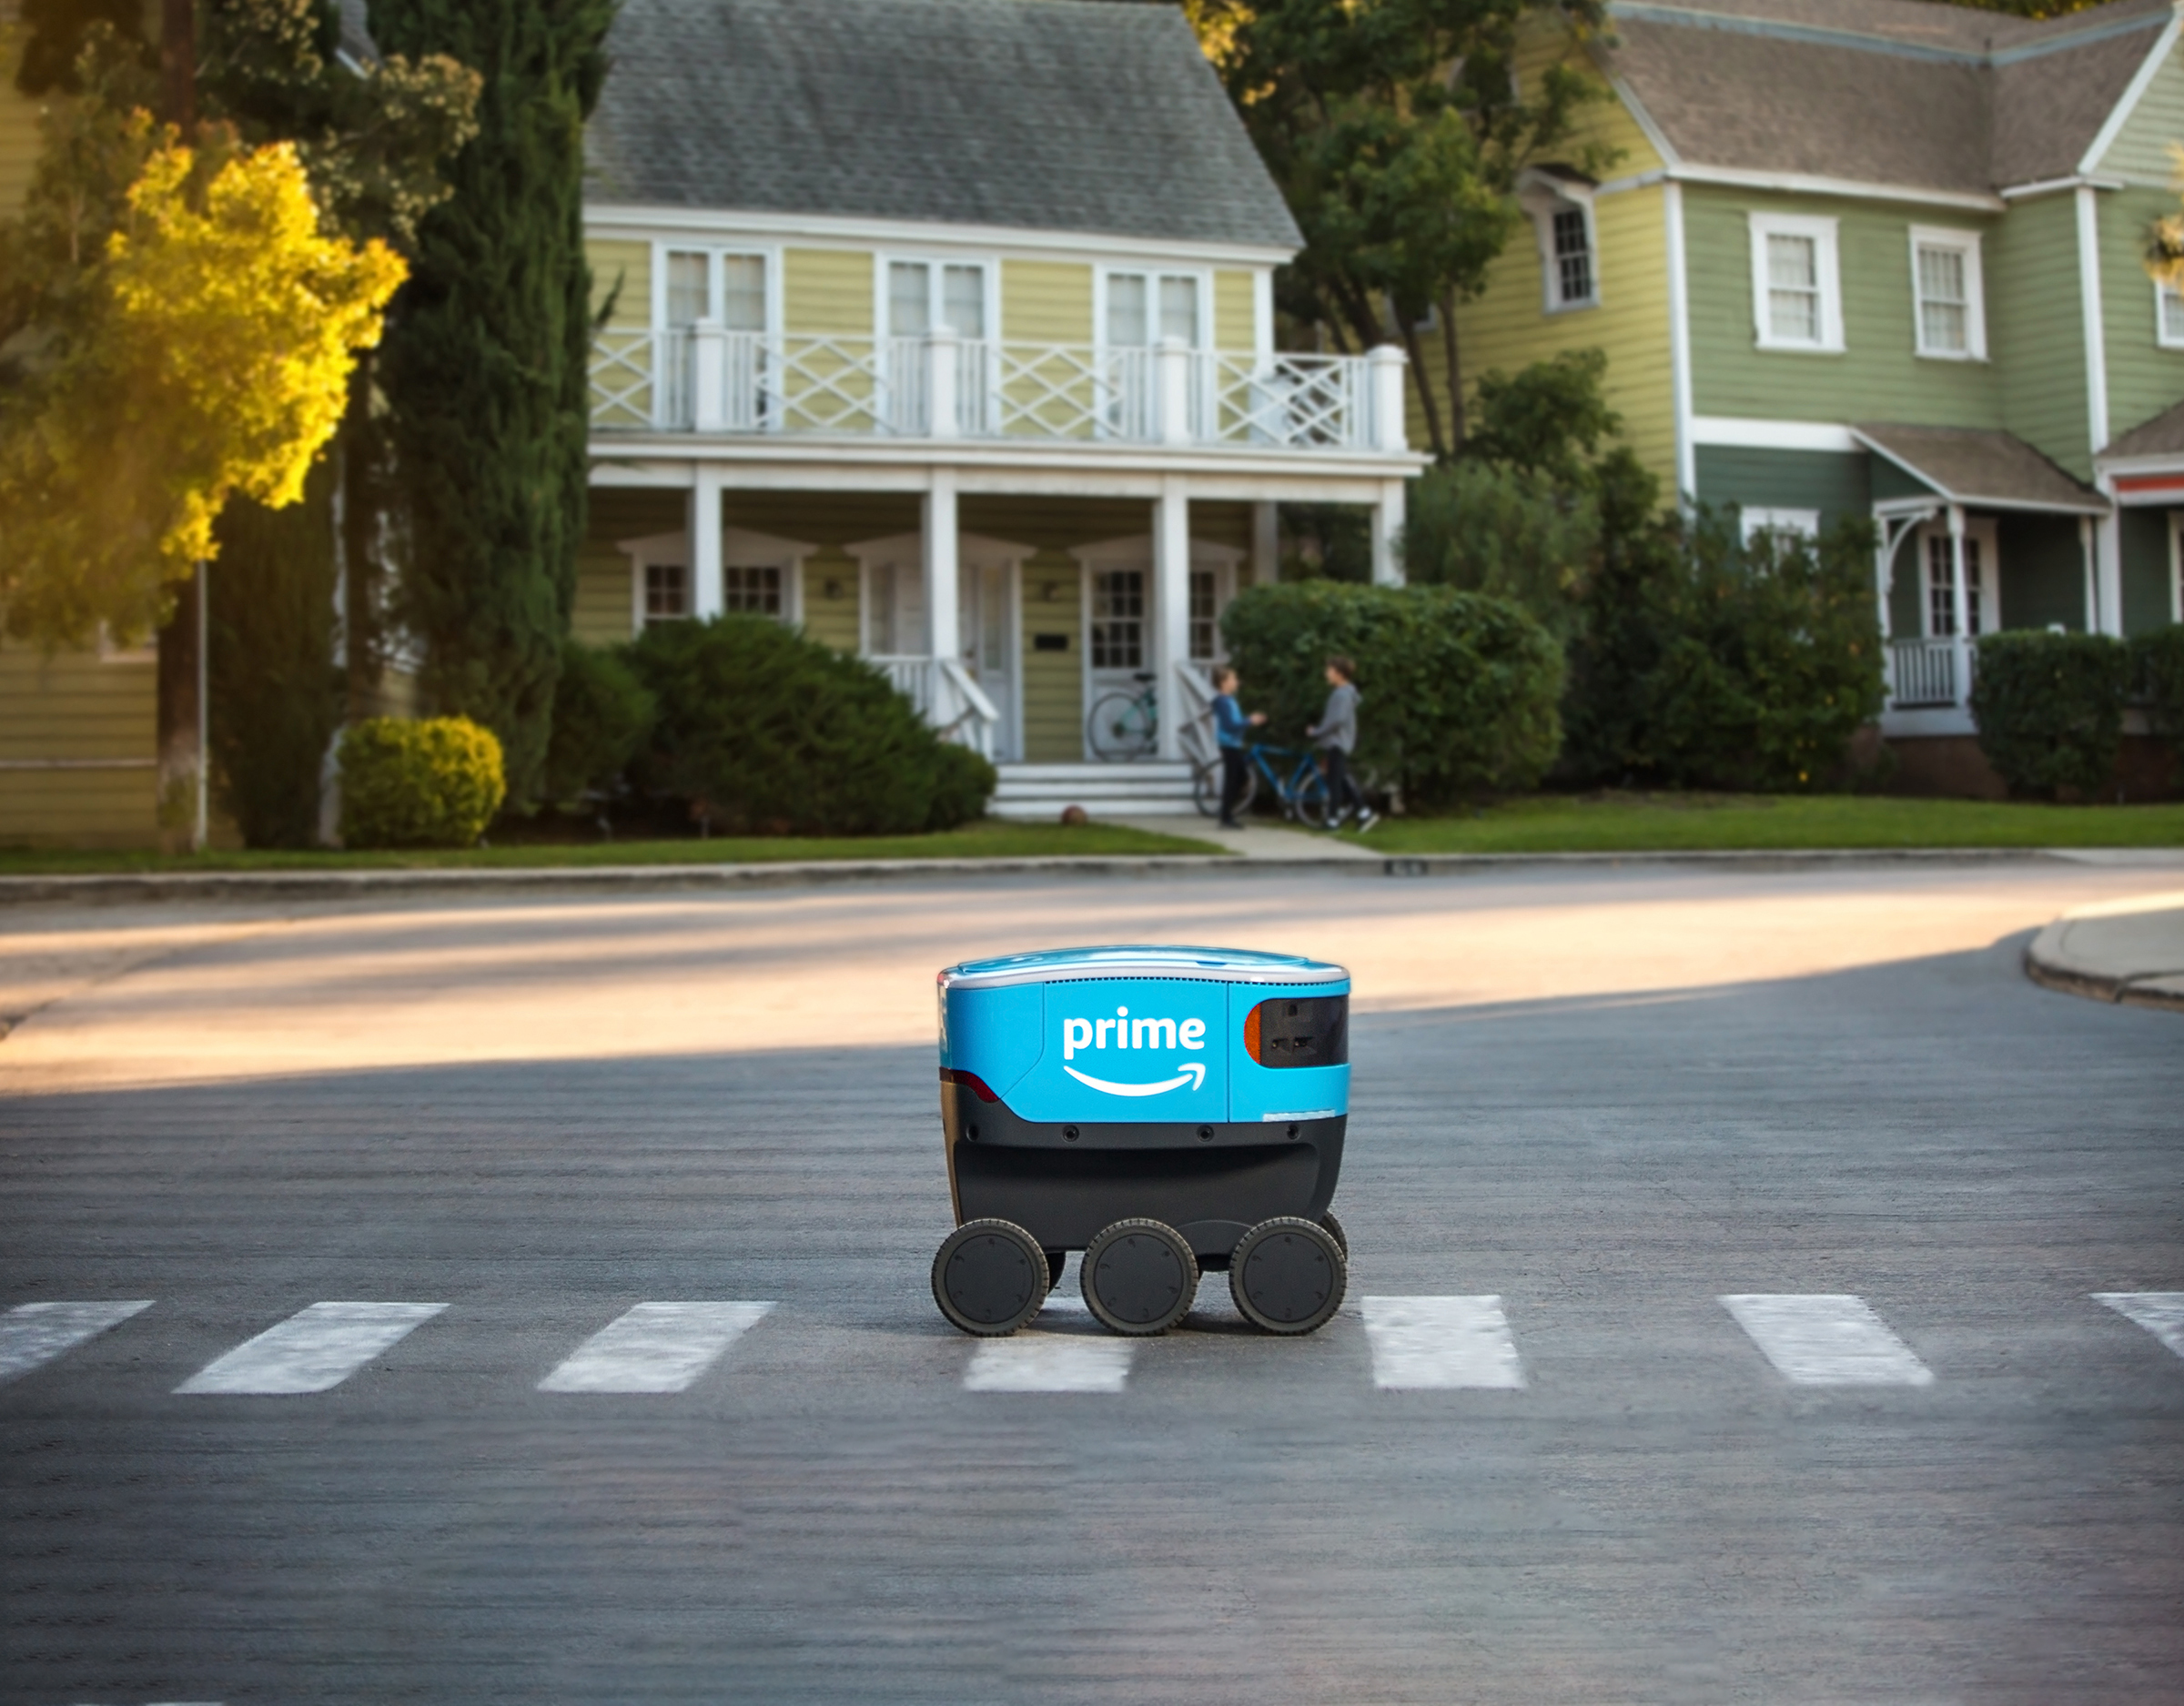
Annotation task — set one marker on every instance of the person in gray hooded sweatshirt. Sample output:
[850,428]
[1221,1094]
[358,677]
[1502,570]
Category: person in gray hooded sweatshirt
[1336,734]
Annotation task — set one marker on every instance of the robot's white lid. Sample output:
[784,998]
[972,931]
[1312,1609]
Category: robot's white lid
[1213,965]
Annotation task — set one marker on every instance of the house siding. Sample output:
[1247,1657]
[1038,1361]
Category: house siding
[2040,566]
[604,610]
[76,705]
[831,603]
[2035,326]
[622,272]
[1053,690]
[1235,315]
[2144,378]
[1839,486]
[1878,376]
[1046,302]
[826,292]
[2141,148]
[2146,568]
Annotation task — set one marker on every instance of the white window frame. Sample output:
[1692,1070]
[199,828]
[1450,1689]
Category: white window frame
[1152,274]
[659,550]
[1542,195]
[1828,276]
[715,252]
[743,548]
[883,296]
[2163,336]
[1753,520]
[1966,243]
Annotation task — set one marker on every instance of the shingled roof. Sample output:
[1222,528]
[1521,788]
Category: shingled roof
[1974,466]
[1044,115]
[1881,91]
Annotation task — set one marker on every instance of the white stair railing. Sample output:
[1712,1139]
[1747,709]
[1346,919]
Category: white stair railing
[975,719]
[1194,701]
[1928,672]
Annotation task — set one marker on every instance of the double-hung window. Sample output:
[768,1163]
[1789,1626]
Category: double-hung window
[1148,309]
[1558,199]
[711,285]
[2169,316]
[1797,284]
[924,295]
[1951,317]
[1118,619]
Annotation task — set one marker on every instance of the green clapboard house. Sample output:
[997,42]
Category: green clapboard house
[944,330]
[1881,258]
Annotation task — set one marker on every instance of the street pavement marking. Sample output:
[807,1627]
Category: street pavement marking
[1040,1358]
[1441,1344]
[1827,1339]
[313,1351]
[2160,1313]
[34,1333]
[655,1347]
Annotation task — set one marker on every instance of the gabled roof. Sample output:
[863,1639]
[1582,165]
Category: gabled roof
[1047,114]
[1894,92]
[2161,436]
[1984,470]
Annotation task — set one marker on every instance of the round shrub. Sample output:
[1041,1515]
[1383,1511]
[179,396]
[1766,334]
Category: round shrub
[601,715]
[2158,674]
[1458,689]
[962,782]
[2049,708]
[430,783]
[765,732]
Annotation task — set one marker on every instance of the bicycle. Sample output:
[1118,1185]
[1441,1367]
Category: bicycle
[1302,793]
[1123,725]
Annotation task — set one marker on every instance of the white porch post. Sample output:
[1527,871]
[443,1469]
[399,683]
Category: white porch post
[1390,429]
[944,417]
[706,597]
[1171,363]
[1171,607]
[1883,574]
[942,548]
[1266,544]
[2086,554]
[2107,536]
[1388,535]
[1960,607]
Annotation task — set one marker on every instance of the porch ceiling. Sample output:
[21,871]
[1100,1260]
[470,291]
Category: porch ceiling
[1981,469]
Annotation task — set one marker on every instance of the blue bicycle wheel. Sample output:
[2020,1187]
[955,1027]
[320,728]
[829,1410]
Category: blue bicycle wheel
[1312,798]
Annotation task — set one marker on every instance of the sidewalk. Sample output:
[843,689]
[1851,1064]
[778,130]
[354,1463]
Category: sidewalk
[2128,951]
[1260,839]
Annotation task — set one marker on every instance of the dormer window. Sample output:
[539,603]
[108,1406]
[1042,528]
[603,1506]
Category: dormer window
[1558,200]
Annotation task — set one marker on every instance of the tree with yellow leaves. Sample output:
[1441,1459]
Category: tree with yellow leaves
[208,354]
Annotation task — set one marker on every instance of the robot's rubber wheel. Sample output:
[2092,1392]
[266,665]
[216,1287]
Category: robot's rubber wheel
[1139,1277]
[1334,1230]
[1288,1276]
[989,1278]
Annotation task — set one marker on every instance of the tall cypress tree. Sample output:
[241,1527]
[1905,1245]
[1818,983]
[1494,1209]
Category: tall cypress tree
[486,365]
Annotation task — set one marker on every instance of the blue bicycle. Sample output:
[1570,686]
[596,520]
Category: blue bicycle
[1302,793]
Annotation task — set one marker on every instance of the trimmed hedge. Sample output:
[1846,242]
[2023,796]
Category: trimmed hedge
[1458,689]
[435,782]
[2158,677]
[2049,708]
[602,716]
[764,732]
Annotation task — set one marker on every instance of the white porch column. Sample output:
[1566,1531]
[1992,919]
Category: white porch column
[1171,364]
[943,417]
[2107,537]
[2087,553]
[1388,535]
[1960,606]
[1171,607]
[943,614]
[706,597]
[1266,544]
[709,378]
[1390,429]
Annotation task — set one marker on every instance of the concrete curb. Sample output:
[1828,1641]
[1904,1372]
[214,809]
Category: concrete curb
[2050,962]
[381,884]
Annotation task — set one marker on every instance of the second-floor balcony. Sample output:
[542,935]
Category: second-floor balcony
[707,381]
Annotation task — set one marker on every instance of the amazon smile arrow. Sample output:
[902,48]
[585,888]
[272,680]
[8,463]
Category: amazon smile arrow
[1193,1074]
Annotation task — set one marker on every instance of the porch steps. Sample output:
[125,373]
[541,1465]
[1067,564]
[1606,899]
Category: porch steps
[1142,789]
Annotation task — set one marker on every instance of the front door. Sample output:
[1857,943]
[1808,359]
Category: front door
[987,586]
[1121,722]
[1982,580]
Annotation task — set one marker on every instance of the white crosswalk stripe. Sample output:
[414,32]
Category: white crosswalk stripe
[1827,1339]
[313,1351]
[34,1333]
[655,1347]
[1062,1351]
[1441,1344]
[2160,1313]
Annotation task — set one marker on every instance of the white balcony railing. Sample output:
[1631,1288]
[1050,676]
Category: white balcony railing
[709,380]
[1924,673]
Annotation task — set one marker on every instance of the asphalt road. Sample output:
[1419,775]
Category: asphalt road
[1607,1099]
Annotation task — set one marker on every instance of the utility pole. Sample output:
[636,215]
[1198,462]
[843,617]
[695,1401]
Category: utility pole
[183,711]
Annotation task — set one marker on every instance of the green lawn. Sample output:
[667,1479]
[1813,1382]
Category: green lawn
[1648,822]
[990,839]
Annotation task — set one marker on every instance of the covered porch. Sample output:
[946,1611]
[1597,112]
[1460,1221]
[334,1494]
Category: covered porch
[1978,531]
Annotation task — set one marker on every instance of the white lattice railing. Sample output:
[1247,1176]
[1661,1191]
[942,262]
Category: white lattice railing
[707,379]
[1926,672]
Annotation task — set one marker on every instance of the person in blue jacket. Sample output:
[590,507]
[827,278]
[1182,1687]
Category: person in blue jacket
[1230,727]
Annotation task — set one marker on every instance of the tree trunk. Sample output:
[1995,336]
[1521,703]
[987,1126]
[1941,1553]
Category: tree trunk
[1459,428]
[1425,393]
[180,757]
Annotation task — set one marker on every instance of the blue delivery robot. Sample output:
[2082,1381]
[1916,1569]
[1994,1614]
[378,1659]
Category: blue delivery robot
[1166,1110]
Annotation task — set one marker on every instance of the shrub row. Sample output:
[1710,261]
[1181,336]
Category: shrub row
[1459,688]
[2049,706]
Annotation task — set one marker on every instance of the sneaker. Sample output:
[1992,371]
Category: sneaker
[1335,823]
[1367,818]
[1229,822]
